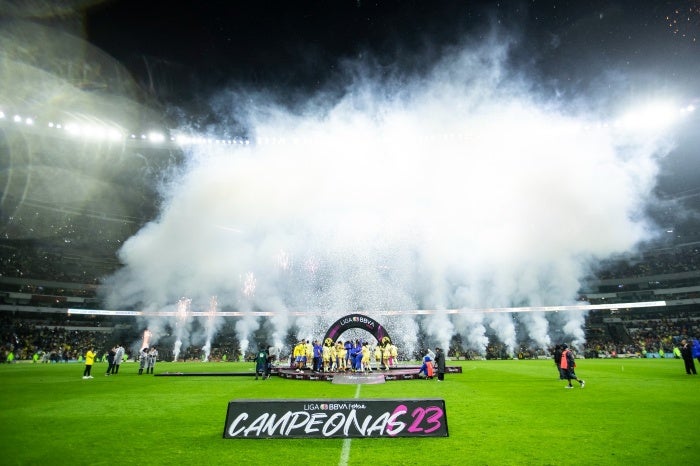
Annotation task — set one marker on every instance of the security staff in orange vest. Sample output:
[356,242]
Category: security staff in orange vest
[567,365]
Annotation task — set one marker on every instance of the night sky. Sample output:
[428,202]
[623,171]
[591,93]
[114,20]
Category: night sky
[186,50]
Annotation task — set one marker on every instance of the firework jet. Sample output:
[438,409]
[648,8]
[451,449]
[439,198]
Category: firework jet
[210,327]
[182,325]
[146,342]
[460,188]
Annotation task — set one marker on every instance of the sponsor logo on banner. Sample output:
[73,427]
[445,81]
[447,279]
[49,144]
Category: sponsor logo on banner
[335,418]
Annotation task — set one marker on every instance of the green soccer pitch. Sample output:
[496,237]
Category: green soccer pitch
[631,412]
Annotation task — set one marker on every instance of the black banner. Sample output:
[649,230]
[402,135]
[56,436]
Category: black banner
[335,418]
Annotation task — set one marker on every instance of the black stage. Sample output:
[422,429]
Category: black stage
[395,373]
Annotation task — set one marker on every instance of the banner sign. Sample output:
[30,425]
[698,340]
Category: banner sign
[356,321]
[336,418]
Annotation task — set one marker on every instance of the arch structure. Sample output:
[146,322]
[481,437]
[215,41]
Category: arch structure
[356,321]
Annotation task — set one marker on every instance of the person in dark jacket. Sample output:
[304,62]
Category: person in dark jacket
[440,363]
[557,361]
[110,360]
[261,363]
[567,366]
[687,355]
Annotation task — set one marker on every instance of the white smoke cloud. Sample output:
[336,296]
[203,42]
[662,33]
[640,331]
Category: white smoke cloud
[537,328]
[502,324]
[441,329]
[460,189]
[471,326]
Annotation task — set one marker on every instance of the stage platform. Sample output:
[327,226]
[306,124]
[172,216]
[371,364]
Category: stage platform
[400,372]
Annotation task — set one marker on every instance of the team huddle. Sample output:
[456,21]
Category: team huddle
[355,356]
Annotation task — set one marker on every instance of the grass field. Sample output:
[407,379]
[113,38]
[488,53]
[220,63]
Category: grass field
[631,412]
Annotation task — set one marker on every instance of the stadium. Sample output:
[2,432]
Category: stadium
[126,222]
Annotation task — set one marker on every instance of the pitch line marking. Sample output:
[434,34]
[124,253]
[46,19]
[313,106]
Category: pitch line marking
[345,451]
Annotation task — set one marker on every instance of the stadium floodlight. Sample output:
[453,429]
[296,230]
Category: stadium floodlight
[73,129]
[2,115]
[156,137]
[29,121]
[114,135]
[93,132]
[655,115]
[17,119]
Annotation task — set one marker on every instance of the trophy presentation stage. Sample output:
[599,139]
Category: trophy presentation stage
[400,372]
[333,334]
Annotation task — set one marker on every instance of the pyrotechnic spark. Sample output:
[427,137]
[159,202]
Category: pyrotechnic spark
[146,339]
[210,326]
[684,21]
[213,306]
[283,260]
[183,307]
[249,284]
[182,314]
[311,265]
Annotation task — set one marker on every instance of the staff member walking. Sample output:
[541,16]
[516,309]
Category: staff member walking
[567,365]
[687,355]
[440,363]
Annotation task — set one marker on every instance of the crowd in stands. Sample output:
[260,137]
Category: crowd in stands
[683,258]
[58,243]
[222,351]
[62,338]
[49,343]
[58,338]
[653,335]
[31,261]
[14,294]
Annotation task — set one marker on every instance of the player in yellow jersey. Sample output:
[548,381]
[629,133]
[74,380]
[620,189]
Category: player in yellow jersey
[309,353]
[378,356]
[326,354]
[299,354]
[386,350]
[394,352]
[334,355]
[364,363]
[342,355]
